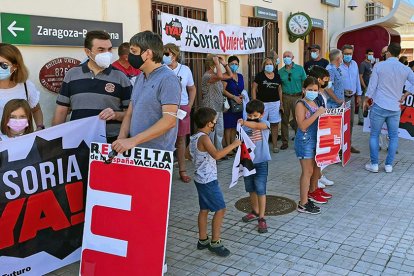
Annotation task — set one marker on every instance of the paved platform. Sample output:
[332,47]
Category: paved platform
[365,229]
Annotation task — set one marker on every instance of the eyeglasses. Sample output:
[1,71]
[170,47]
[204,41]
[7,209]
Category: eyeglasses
[167,54]
[339,71]
[4,65]
[289,76]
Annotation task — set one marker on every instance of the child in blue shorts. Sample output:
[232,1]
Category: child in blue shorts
[204,156]
[258,131]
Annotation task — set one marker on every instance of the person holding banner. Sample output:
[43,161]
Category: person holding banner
[95,87]
[17,119]
[384,92]
[307,113]
[204,156]
[212,93]
[352,84]
[150,120]
[171,58]
[14,83]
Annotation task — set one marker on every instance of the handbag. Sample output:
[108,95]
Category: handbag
[226,105]
[236,107]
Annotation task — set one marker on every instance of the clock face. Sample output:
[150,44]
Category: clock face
[298,24]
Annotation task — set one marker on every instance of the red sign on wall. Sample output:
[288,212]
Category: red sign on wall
[52,73]
[126,213]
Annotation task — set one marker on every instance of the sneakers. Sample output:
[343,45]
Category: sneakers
[326,181]
[388,168]
[218,248]
[308,208]
[203,244]
[324,194]
[316,197]
[284,146]
[250,217]
[354,150]
[371,167]
[262,226]
[321,185]
[275,150]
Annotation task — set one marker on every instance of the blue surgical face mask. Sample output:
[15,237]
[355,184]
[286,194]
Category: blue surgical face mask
[370,57]
[311,95]
[277,61]
[167,60]
[347,58]
[287,60]
[269,68]
[314,55]
[5,73]
[234,68]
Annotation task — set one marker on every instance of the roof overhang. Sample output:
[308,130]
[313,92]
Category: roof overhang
[399,15]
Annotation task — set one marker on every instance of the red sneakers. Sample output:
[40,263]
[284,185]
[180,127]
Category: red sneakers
[324,194]
[317,197]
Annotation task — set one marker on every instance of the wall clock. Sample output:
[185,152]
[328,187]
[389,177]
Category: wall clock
[299,25]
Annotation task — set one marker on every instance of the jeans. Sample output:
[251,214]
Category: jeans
[377,118]
[257,182]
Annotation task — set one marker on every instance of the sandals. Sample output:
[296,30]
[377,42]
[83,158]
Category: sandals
[184,177]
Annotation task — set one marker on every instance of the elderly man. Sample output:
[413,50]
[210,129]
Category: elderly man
[385,91]
[292,76]
[351,82]
[336,92]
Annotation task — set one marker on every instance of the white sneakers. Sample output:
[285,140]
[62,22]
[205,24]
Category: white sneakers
[388,168]
[321,185]
[325,181]
[371,167]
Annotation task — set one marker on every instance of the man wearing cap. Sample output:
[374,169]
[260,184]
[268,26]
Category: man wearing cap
[351,82]
[316,59]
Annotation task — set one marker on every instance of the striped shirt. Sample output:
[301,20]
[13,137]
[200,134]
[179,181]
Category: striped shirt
[88,94]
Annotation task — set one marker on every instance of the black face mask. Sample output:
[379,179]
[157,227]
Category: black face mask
[384,57]
[325,84]
[136,61]
[253,120]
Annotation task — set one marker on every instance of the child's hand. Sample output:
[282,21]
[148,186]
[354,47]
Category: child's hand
[236,143]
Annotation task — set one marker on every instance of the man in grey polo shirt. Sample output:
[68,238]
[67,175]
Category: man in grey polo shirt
[150,120]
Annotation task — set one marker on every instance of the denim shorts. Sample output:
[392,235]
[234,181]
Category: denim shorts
[257,182]
[210,196]
[305,146]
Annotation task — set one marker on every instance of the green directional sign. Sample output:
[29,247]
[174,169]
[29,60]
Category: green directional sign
[15,28]
[22,29]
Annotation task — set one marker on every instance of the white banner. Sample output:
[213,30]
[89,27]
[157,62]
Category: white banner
[204,37]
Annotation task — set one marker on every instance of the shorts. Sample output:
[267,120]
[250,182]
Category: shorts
[184,124]
[271,112]
[305,146]
[210,196]
[257,182]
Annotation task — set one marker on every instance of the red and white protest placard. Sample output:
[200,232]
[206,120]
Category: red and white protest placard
[126,213]
[329,137]
[346,135]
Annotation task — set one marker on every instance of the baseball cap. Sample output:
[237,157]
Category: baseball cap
[314,46]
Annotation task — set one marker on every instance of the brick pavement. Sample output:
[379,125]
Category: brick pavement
[365,229]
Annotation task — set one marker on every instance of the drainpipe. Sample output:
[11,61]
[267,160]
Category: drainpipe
[233,12]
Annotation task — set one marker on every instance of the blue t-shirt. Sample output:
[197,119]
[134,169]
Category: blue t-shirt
[335,75]
[260,138]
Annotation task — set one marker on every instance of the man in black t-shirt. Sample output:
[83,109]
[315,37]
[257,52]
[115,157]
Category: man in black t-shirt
[316,58]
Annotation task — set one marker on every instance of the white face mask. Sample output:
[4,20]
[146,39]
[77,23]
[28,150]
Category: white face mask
[103,60]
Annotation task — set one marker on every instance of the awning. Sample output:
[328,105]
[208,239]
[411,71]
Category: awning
[399,15]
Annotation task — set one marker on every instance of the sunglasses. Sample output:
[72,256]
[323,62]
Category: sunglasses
[339,71]
[289,76]
[4,65]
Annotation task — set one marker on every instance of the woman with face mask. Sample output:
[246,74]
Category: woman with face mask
[267,88]
[14,82]
[16,120]
[212,93]
[307,113]
[232,90]
[171,58]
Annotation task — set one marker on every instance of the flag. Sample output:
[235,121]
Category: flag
[243,162]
